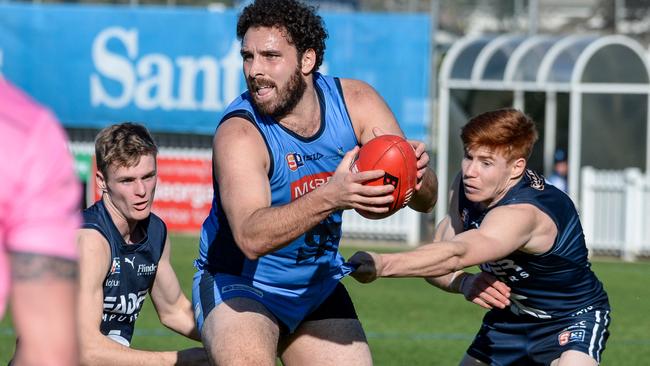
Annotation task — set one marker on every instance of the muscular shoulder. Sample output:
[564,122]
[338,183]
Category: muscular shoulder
[237,130]
[94,250]
[367,110]
[93,241]
[357,91]
[526,221]
[238,139]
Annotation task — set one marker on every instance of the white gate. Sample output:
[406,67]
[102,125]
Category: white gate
[404,225]
[615,212]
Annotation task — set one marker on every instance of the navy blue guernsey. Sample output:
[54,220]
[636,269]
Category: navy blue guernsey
[553,284]
[298,166]
[131,273]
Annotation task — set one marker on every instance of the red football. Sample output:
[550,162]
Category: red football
[395,156]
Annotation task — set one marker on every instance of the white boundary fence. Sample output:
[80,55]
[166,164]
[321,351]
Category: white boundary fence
[615,212]
[404,225]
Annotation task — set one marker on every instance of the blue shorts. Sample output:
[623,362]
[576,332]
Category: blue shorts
[508,339]
[289,305]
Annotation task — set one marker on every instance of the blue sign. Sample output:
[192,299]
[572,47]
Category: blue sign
[176,69]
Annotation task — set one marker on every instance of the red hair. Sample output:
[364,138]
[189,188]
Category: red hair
[507,131]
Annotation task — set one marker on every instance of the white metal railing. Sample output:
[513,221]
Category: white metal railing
[615,211]
[404,225]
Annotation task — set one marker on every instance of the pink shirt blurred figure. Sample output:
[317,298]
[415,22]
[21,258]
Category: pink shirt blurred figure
[39,213]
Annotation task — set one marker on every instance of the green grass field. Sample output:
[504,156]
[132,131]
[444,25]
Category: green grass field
[409,322]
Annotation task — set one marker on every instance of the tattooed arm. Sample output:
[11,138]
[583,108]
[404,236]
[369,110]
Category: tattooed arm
[39,213]
[43,308]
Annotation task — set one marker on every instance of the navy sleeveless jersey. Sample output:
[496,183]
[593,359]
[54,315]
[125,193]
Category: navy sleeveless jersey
[131,273]
[298,166]
[549,285]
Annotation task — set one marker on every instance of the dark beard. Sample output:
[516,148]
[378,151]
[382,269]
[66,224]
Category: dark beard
[288,97]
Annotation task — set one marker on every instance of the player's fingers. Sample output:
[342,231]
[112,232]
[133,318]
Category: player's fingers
[371,208]
[502,288]
[348,159]
[372,200]
[492,300]
[480,302]
[497,296]
[493,282]
[418,147]
[375,191]
[367,175]
[423,161]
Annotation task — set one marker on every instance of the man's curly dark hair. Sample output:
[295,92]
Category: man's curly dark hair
[304,27]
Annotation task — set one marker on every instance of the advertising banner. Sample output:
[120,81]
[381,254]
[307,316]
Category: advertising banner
[184,191]
[175,69]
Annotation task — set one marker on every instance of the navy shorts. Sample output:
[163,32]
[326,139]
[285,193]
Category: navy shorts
[508,339]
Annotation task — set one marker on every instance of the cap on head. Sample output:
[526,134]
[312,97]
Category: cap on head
[560,155]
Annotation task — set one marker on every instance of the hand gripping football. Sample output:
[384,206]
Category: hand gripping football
[395,156]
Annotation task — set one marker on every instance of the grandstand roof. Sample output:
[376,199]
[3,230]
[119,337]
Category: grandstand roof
[574,64]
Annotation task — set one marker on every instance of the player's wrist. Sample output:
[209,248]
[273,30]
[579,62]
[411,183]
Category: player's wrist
[458,281]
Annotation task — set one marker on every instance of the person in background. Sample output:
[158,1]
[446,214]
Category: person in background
[558,177]
[124,253]
[39,201]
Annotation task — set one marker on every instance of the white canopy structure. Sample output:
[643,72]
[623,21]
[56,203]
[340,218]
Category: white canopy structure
[604,79]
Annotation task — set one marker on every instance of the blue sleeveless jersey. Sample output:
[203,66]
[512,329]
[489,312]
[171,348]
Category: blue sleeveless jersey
[131,273]
[550,285]
[298,166]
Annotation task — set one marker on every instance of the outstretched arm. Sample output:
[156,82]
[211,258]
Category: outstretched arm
[96,348]
[504,230]
[481,288]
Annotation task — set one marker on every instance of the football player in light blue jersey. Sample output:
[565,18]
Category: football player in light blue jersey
[525,233]
[269,270]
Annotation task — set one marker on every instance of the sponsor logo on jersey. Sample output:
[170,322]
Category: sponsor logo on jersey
[536,181]
[115,266]
[130,261]
[308,183]
[571,336]
[124,307]
[146,269]
[112,283]
[506,270]
[313,157]
[294,161]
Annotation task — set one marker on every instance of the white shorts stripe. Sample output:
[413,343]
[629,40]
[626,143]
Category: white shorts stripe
[602,335]
[593,337]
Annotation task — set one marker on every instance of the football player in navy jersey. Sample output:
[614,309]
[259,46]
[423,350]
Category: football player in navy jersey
[124,255]
[526,234]
[269,270]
